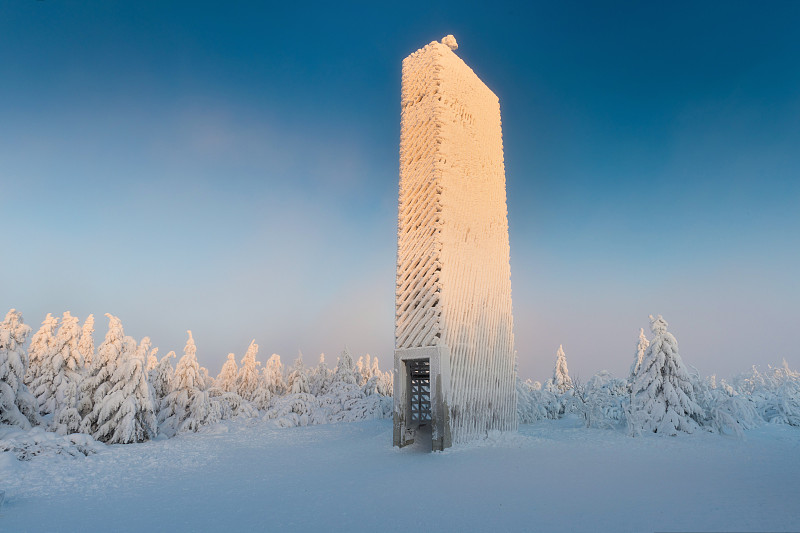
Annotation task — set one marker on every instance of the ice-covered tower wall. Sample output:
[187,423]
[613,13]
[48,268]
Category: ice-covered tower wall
[453,277]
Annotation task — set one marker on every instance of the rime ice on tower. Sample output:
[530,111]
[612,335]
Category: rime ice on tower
[454,345]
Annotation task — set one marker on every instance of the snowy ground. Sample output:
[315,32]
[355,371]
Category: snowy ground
[552,476]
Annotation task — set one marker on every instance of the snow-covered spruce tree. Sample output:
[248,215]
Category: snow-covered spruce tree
[67,363]
[152,362]
[298,381]
[208,381]
[533,403]
[561,382]
[128,413]
[95,386]
[226,380]
[262,394]
[41,345]
[775,393]
[122,406]
[320,378]
[274,375]
[346,369]
[160,379]
[374,370]
[40,371]
[662,394]
[641,348]
[147,354]
[247,380]
[787,382]
[17,406]
[188,407]
[86,344]
[606,398]
[362,370]
[726,411]
[386,383]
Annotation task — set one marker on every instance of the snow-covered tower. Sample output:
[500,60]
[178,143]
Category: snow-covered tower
[454,344]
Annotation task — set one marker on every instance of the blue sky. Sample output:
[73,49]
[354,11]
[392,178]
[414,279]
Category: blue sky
[232,169]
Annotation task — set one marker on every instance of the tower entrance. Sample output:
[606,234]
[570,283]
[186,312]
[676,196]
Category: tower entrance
[419,392]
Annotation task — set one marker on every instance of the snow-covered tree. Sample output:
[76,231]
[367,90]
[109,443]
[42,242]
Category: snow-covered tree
[86,344]
[160,378]
[208,381]
[67,367]
[641,348]
[362,370]
[662,394]
[274,375]
[375,369]
[188,406]
[262,394]
[606,397]
[561,382]
[298,381]
[113,401]
[39,376]
[128,412]
[152,361]
[17,405]
[59,366]
[534,404]
[386,383]
[66,419]
[775,393]
[226,380]
[726,411]
[247,380]
[346,371]
[320,378]
[147,354]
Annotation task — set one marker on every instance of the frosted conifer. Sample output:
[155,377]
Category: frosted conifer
[641,349]
[375,369]
[274,375]
[17,405]
[66,419]
[320,377]
[662,393]
[187,406]
[298,380]
[247,380]
[226,380]
[99,383]
[59,365]
[208,381]
[360,374]
[346,368]
[160,378]
[386,383]
[561,380]
[128,412]
[147,354]
[262,395]
[67,366]
[152,361]
[40,354]
[86,344]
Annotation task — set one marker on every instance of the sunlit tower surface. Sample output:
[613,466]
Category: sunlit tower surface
[454,343]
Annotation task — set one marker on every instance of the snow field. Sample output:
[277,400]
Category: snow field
[551,476]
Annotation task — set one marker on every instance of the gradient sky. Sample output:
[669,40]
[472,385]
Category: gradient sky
[232,168]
